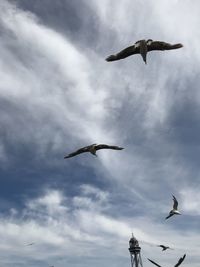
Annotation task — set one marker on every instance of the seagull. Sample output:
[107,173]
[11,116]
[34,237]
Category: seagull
[30,244]
[174,211]
[142,47]
[176,265]
[164,247]
[92,149]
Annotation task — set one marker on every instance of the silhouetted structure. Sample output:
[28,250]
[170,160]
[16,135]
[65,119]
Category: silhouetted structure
[134,248]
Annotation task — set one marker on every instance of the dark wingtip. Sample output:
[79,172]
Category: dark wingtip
[178,45]
[110,58]
[119,148]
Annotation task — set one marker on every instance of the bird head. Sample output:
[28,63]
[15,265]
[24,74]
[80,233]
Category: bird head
[149,41]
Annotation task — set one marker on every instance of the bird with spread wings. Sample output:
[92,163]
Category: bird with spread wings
[142,47]
[174,211]
[92,149]
[164,247]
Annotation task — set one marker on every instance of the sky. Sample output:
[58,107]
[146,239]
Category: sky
[57,94]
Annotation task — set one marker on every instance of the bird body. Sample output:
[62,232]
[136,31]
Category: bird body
[92,149]
[174,211]
[142,47]
[164,247]
[143,50]
[30,244]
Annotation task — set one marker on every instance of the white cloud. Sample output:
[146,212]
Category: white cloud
[61,96]
[190,200]
[89,230]
[91,198]
[52,201]
[50,79]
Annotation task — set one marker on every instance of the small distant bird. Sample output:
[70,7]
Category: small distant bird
[142,47]
[30,244]
[164,247]
[92,149]
[174,211]
[176,265]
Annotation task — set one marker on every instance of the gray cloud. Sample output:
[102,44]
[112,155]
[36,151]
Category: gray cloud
[57,229]
[57,93]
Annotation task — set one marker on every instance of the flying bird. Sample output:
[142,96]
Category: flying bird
[180,261]
[176,265]
[92,149]
[142,47]
[174,211]
[30,244]
[164,247]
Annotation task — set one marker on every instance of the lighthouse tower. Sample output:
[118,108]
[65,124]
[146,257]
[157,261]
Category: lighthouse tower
[134,249]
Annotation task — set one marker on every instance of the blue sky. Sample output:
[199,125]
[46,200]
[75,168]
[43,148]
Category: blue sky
[57,93]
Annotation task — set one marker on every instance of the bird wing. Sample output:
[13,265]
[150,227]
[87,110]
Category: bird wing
[157,45]
[103,146]
[77,152]
[131,50]
[162,246]
[180,261]
[154,263]
[175,206]
[170,215]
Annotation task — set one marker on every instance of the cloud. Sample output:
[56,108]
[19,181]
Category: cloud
[57,230]
[58,94]
[190,200]
[92,198]
[49,77]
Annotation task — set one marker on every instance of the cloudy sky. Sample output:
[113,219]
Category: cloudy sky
[57,93]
